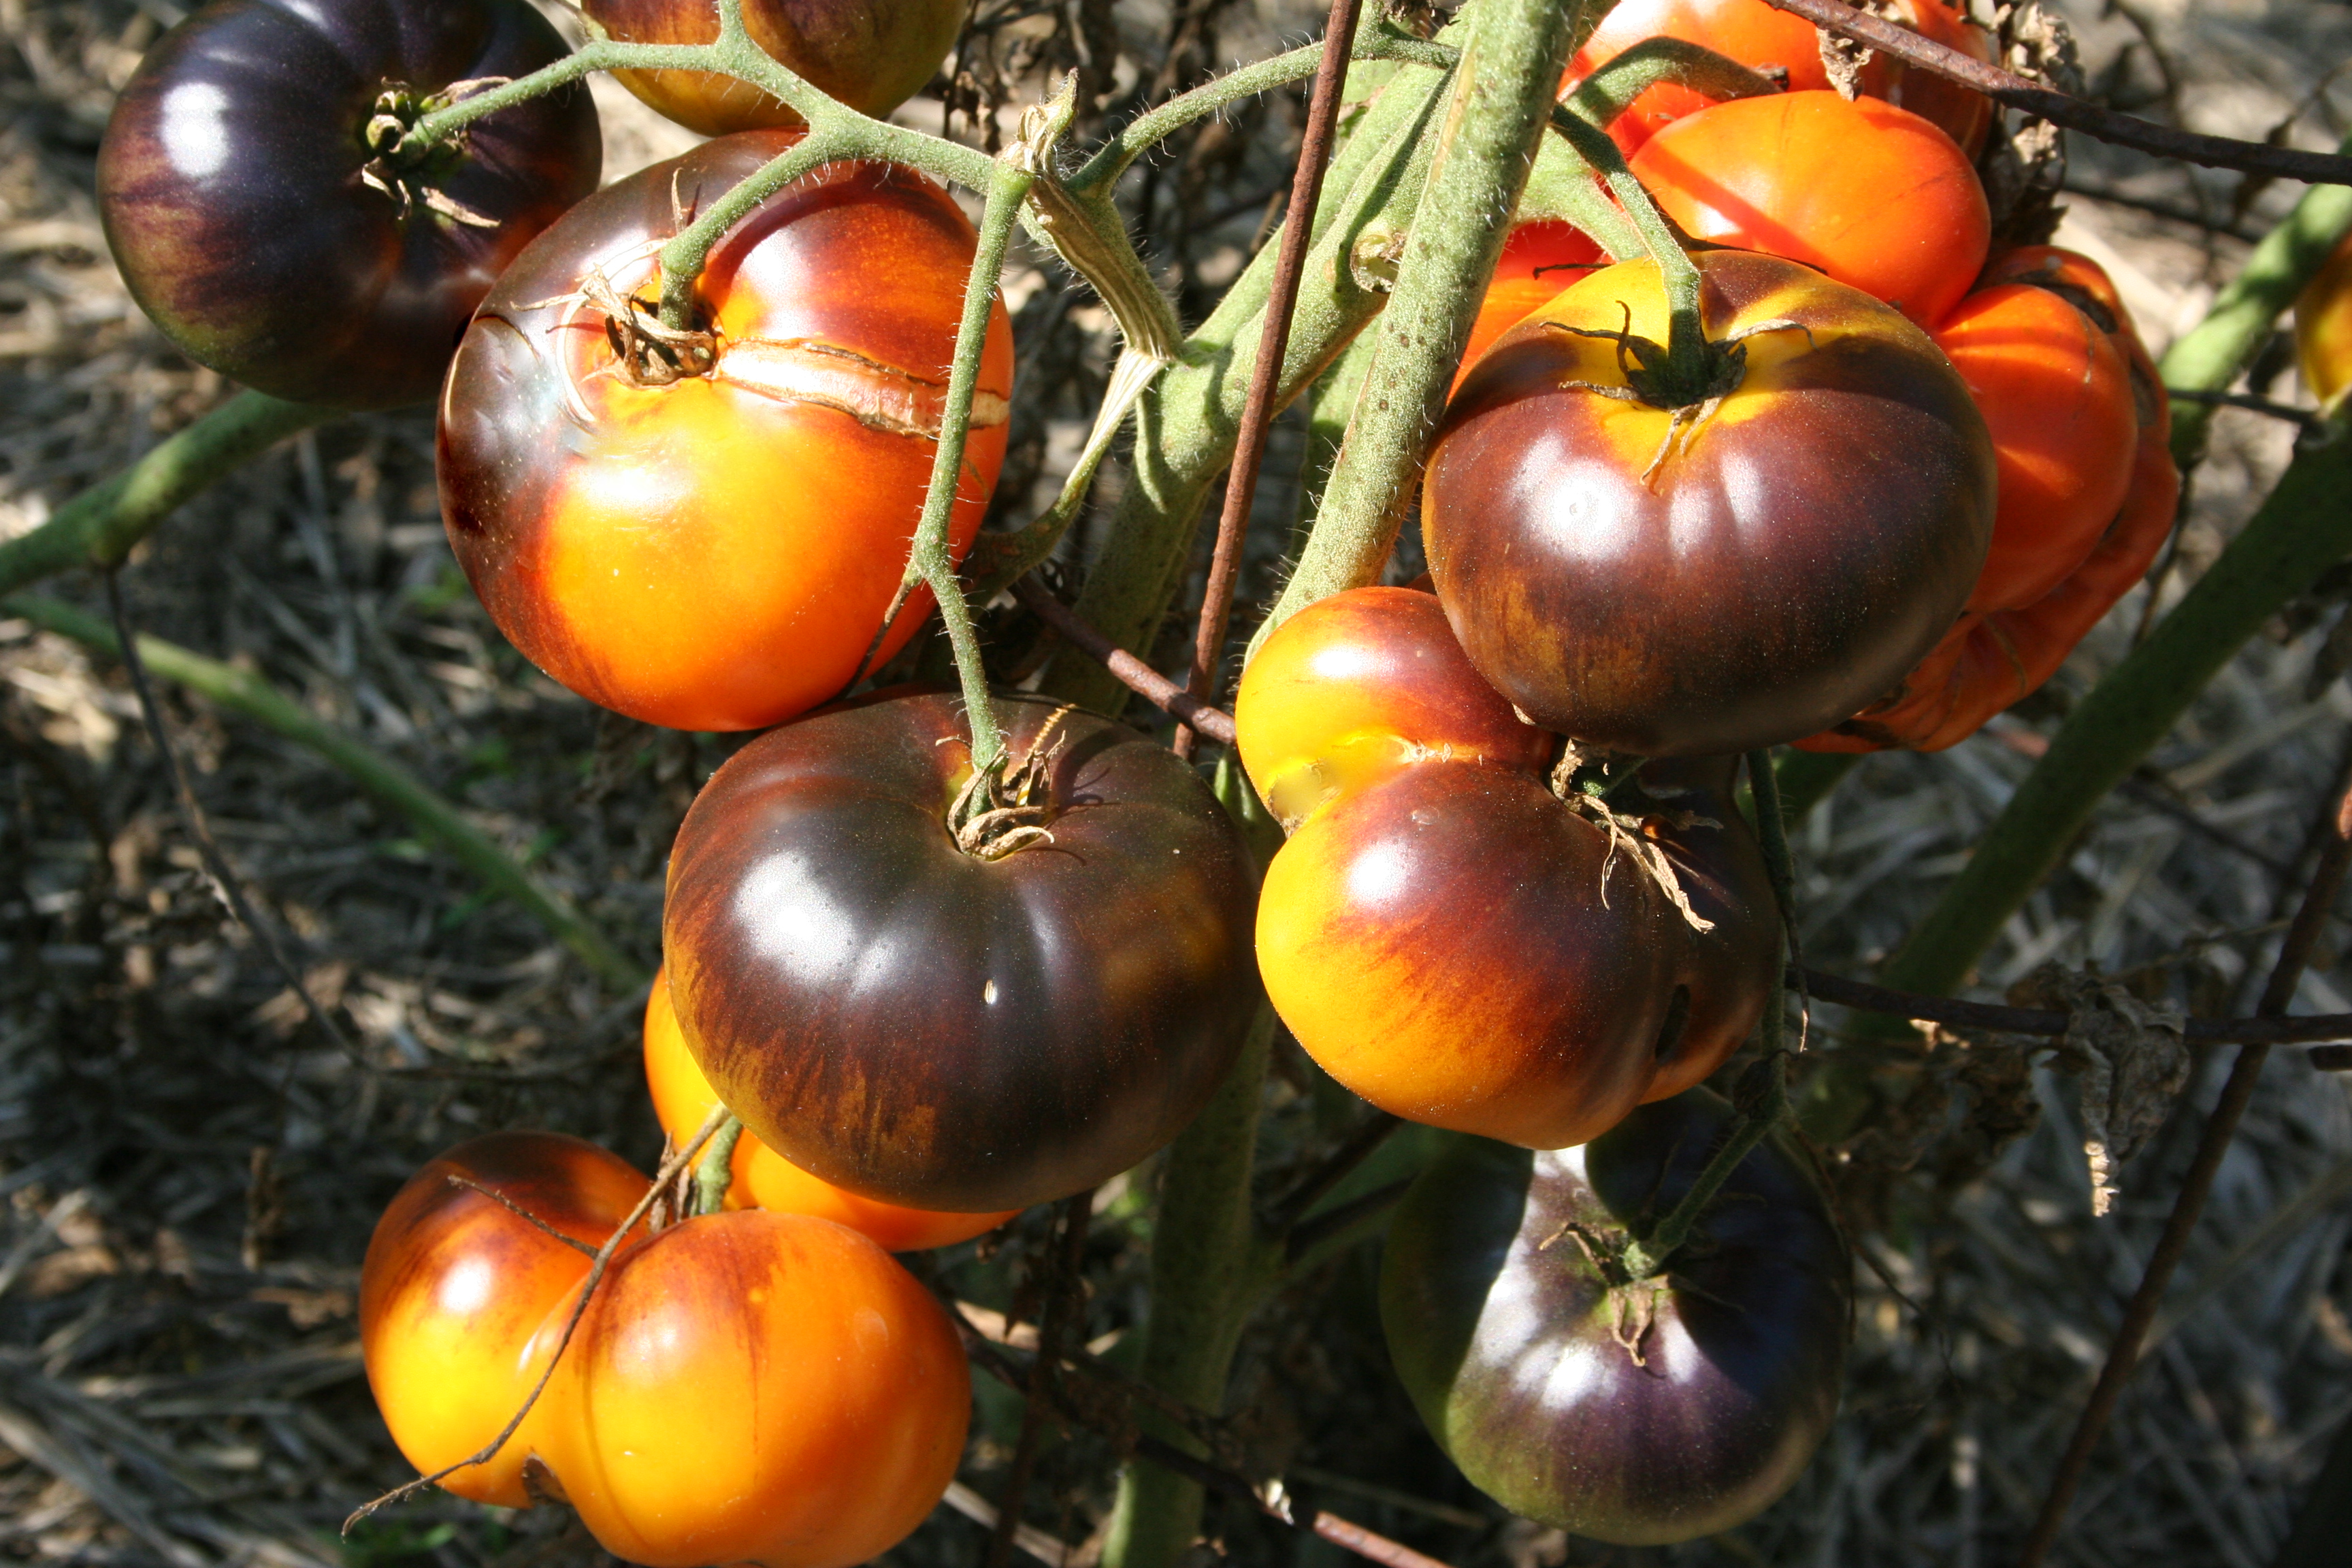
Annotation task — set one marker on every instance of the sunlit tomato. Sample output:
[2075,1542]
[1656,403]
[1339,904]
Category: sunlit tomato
[455,1286]
[1539,260]
[945,1029]
[2322,328]
[873,55]
[1801,541]
[1872,194]
[1449,938]
[1761,37]
[1633,1411]
[717,551]
[250,197]
[755,1387]
[2057,397]
[764,1178]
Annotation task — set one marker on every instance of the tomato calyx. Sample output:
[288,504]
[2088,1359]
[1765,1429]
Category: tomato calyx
[1606,789]
[409,172]
[1630,1298]
[1687,376]
[1003,810]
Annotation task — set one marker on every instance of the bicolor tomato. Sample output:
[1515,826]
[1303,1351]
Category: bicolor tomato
[709,535]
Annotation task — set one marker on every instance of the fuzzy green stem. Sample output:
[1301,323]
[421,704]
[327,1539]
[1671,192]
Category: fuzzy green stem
[2303,528]
[715,1172]
[1502,91]
[1687,350]
[1611,89]
[99,526]
[682,259]
[248,694]
[1764,1104]
[2215,352]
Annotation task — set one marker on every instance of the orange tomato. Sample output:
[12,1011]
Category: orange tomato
[755,1387]
[1539,260]
[718,551]
[1870,193]
[764,1178]
[454,1287]
[2322,328]
[1760,37]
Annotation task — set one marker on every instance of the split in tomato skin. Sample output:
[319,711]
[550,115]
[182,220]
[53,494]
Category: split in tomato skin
[755,1387]
[456,1284]
[1509,1324]
[718,552]
[234,185]
[930,1028]
[1870,193]
[1446,936]
[1800,544]
[763,1179]
[872,55]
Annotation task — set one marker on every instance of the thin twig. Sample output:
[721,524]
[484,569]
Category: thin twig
[2268,1030]
[1278,1218]
[1266,374]
[522,1213]
[2061,109]
[2304,418]
[2123,1351]
[1065,1300]
[668,1173]
[1133,673]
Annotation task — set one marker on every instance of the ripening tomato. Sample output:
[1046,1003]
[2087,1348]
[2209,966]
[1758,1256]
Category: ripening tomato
[1638,1411]
[756,1387]
[872,55]
[1870,193]
[1761,37]
[972,1028]
[2322,328]
[716,549]
[1447,936]
[253,198]
[456,1284]
[1735,572]
[1539,260]
[764,1178]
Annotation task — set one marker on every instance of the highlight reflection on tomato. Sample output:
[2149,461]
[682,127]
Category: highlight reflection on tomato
[717,551]
[764,1178]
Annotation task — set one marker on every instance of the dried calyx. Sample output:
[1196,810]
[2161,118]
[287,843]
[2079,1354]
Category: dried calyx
[1606,788]
[410,173]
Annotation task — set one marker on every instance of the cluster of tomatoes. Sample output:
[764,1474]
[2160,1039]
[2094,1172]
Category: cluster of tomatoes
[1852,481]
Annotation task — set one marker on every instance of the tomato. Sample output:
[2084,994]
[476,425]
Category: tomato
[718,551]
[1803,541]
[1870,193]
[1539,260]
[1638,1412]
[935,1028]
[1447,937]
[248,194]
[755,1387]
[1761,37]
[456,1284]
[872,55]
[2057,397]
[2322,328]
[765,1179]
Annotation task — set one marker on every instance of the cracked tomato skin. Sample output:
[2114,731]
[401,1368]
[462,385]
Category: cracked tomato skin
[1506,1335]
[932,1029]
[1800,547]
[230,186]
[872,55]
[764,1178]
[719,552]
[455,1286]
[1872,194]
[756,1387]
[1442,933]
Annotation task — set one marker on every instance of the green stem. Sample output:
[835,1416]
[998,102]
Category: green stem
[683,258]
[99,526]
[2215,352]
[1763,1105]
[2303,528]
[1687,350]
[715,1172]
[248,694]
[1502,91]
[1610,90]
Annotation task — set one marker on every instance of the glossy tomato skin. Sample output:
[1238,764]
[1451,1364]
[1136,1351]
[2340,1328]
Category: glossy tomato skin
[1800,547]
[756,1387]
[1539,260]
[1872,194]
[230,186]
[1763,39]
[929,1029]
[1505,1332]
[455,1286]
[764,1178]
[718,552]
[872,55]
[1444,935]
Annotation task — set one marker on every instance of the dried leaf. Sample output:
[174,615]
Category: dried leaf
[2127,1056]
